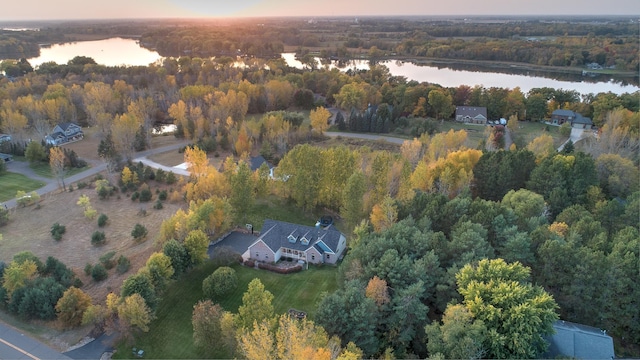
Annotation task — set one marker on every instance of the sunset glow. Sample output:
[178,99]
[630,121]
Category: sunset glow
[78,9]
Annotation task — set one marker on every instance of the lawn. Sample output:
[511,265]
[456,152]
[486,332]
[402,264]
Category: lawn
[10,183]
[278,209]
[171,334]
[44,170]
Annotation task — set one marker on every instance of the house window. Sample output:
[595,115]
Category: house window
[313,257]
[328,256]
[266,256]
[257,255]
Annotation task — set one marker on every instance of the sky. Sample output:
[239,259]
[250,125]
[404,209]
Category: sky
[125,9]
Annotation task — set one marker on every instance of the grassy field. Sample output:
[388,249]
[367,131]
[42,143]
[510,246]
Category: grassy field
[171,334]
[526,132]
[10,183]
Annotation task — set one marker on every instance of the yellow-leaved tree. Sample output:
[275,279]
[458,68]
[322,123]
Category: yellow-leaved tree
[56,162]
[384,214]
[318,118]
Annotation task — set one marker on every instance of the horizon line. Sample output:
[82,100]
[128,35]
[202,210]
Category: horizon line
[326,17]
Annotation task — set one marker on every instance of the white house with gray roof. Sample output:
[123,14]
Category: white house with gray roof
[314,245]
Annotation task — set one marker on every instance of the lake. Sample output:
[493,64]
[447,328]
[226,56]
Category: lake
[109,52]
[127,52]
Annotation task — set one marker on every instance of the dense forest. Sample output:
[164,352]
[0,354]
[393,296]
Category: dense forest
[441,234]
[572,42]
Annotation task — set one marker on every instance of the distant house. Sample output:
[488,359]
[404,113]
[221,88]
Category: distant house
[64,133]
[471,114]
[561,116]
[579,341]
[4,137]
[256,161]
[314,245]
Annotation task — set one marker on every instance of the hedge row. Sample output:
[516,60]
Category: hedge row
[279,270]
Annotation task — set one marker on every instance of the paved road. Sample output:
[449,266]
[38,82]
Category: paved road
[576,135]
[15,345]
[97,167]
[390,139]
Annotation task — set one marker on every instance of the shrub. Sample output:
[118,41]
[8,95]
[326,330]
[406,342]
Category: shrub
[279,270]
[139,231]
[107,260]
[81,185]
[158,205]
[123,265]
[104,189]
[98,238]
[135,196]
[145,195]
[221,282]
[162,195]
[171,178]
[102,220]
[3,166]
[249,263]
[57,230]
[99,273]
[565,129]
[160,175]
[4,216]
[90,213]
[88,268]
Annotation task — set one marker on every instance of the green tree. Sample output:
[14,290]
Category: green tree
[517,315]
[220,282]
[141,284]
[177,253]
[242,196]
[352,316]
[71,306]
[256,306]
[160,270]
[352,199]
[441,102]
[460,336]
[196,243]
[35,152]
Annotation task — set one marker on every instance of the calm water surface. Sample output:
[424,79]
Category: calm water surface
[109,52]
[453,78]
[127,52]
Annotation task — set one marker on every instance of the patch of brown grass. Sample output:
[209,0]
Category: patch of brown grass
[29,230]
[169,158]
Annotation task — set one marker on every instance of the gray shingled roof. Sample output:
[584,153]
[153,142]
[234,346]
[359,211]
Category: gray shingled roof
[256,161]
[563,112]
[65,125]
[579,341]
[471,111]
[275,235]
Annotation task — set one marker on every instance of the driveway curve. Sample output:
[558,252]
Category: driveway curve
[23,168]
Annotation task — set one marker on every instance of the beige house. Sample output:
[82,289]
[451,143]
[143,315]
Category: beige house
[314,245]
